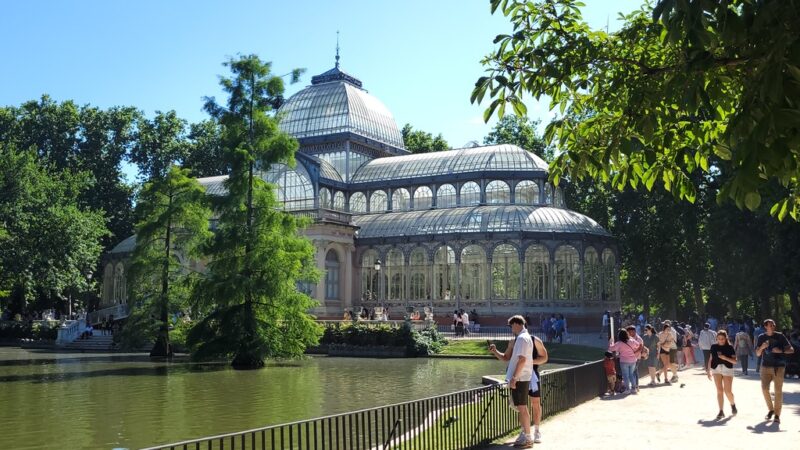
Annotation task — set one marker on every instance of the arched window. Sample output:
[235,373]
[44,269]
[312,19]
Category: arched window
[332,275]
[358,202]
[548,194]
[423,198]
[473,273]
[324,198]
[558,198]
[498,192]
[395,273]
[505,272]
[338,201]
[418,268]
[609,275]
[369,277]
[295,190]
[120,285]
[526,193]
[377,201]
[568,275]
[470,194]
[444,273]
[591,274]
[108,284]
[401,200]
[537,273]
[446,196]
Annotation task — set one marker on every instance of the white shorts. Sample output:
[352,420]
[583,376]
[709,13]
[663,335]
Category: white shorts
[722,370]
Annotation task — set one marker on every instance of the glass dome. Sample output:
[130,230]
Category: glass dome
[477,219]
[503,157]
[335,103]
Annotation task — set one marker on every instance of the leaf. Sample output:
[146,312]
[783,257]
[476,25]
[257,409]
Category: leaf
[794,71]
[723,152]
[519,108]
[752,200]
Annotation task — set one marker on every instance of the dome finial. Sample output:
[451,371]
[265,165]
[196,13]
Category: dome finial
[337,49]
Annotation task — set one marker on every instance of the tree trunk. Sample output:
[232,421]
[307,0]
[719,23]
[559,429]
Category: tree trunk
[162,347]
[794,300]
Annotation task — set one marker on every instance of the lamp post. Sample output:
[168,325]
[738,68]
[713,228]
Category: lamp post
[377,280]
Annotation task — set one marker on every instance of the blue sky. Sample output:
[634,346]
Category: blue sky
[421,58]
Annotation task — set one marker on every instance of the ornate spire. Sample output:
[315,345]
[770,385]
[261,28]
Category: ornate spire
[337,49]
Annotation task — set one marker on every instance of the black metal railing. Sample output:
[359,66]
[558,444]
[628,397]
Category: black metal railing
[460,420]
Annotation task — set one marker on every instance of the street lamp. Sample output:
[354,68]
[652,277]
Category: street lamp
[377,280]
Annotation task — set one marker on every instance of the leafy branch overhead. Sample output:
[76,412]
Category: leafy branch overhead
[682,86]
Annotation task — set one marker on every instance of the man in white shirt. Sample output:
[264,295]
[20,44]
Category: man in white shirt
[705,340]
[519,376]
[465,319]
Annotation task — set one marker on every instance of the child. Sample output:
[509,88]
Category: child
[609,365]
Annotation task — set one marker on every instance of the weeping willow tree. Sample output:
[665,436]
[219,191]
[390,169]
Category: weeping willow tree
[253,309]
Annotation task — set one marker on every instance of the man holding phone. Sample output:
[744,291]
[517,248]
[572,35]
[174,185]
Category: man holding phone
[519,375]
[773,347]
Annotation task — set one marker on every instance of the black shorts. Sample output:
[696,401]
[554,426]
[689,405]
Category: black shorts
[519,394]
[538,392]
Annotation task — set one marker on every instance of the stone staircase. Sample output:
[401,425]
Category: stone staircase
[96,343]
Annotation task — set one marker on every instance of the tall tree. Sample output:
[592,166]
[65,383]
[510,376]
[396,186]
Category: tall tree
[256,257]
[51,241]
[520,131]
[418,141]
[205,157]
[172,224]
[682,86]
[159,143]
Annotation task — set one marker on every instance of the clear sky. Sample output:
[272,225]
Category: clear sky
[421,58]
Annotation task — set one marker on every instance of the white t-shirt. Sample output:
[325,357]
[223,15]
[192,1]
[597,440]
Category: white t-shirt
[465,318]
[523,345]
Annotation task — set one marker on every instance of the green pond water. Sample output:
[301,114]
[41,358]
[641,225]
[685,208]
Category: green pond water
[102,401]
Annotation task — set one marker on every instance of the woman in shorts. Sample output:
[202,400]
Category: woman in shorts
[720,366]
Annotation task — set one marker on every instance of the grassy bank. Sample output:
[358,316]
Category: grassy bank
[468,347]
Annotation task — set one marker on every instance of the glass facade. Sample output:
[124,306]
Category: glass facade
[401,200]
[295,190]
[332,275]
[498,192]
[526,193]
[423,198]
[446,196]
[470,194]
[377,202]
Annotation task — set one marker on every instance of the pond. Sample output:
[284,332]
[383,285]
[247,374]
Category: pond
[105,401]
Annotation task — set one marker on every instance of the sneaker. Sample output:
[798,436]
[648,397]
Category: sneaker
[769,415]
[667,383]
[537,437]
[734,411]
[777,420]
[658,378]
[674,379]
[721,415]
[521,438]
[528,443]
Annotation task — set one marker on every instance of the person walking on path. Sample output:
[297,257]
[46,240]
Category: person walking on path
[629,351]
[631,329]
[720,366]
[667,352]
[519,376]
[688,347]
[744,348]
[773,347]
[650,340]
[706,339]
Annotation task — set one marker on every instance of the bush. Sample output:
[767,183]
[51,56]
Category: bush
[25,330]
[424,343]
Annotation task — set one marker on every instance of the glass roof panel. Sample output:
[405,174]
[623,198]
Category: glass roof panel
[337,107]
[478,219]
[478,159]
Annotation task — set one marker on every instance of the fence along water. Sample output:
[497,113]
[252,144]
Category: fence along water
[460,420]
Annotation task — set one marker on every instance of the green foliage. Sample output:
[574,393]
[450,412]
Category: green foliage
[418,141]
[204,156]
[519,131]
[252,308]
[416,343]
[36,331]
[159,143]
[51,240]
[680,88]
[172,225]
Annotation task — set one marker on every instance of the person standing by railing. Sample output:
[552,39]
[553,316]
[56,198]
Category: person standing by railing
[519,376]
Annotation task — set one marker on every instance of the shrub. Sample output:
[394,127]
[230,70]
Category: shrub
[424,343]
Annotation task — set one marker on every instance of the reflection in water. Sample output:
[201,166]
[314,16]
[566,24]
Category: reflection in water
[52,400]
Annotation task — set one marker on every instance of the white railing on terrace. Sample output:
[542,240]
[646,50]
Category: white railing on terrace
[70,330]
